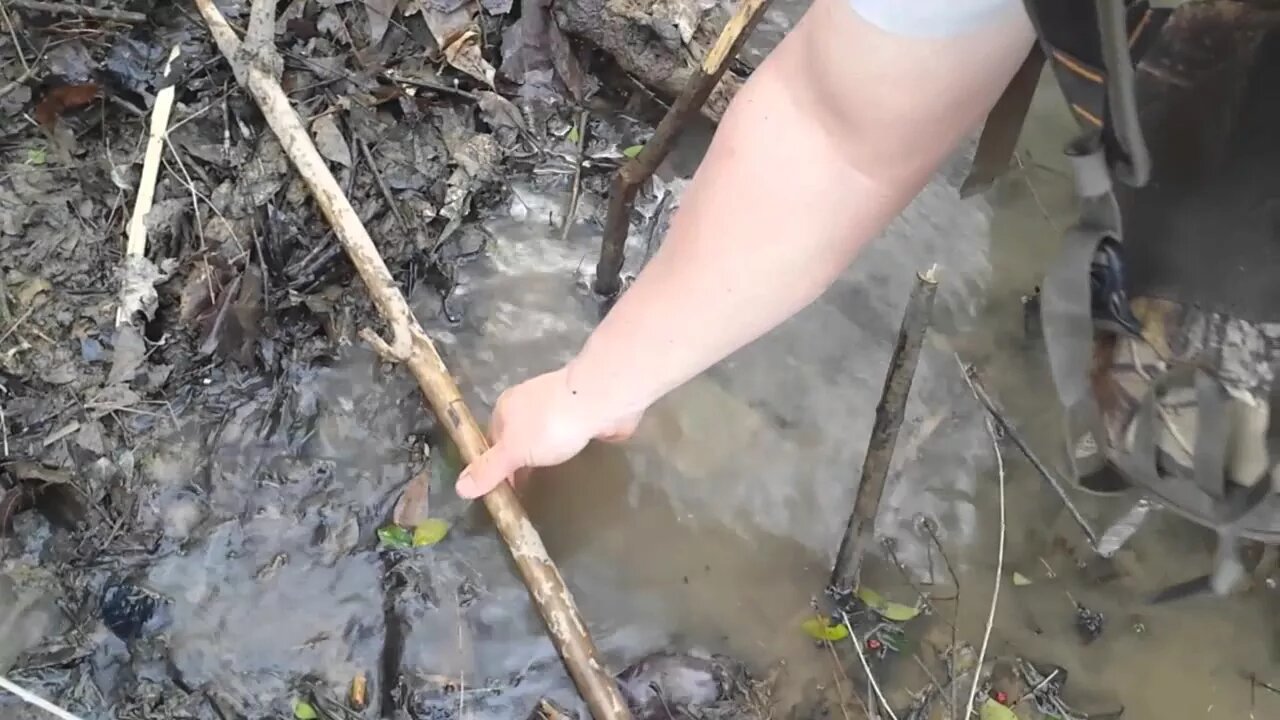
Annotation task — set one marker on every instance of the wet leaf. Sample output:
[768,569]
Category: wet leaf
[497,7]
[464,54]
[13,501]
[412,507]
[632,151]
[992,710]
[885,608]
[498,111]
[302,710]
[429,532]
[819,629]
[36,156]
[394,536]
[359,692]
[1020,580]
[130,352]
[379,17]
[330,142]
[63,98]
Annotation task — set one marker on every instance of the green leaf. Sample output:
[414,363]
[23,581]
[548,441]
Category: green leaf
[36,156]
[302,710]
[818,629]
[394,536]
[992,710]
[632,151]
[1020,580]
[574,134]
[450,462]
[430,532]
[886,609]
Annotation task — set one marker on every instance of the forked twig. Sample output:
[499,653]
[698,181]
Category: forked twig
[622,194]
[411,346]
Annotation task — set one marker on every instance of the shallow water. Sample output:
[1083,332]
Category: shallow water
[715,527]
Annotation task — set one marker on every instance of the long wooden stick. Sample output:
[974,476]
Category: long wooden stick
[411,346]
[884,434]
[622,194]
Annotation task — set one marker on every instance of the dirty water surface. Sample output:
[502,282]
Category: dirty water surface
[210,495]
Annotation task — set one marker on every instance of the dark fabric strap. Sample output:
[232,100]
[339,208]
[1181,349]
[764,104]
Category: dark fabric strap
[1092,47]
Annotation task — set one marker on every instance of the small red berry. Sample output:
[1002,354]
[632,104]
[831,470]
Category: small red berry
[1002,697]
[873,644]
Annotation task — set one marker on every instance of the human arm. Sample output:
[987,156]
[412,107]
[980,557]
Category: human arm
[836,131]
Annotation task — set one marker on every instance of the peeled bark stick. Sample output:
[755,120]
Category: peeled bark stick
[622,194]
[411,346]
[884,433]
[136,244]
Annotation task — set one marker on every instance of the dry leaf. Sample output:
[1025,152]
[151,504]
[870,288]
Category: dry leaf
[63,98]
[329,141]
[499,111]
[379,12]
[412,507]
[448,26]
[464,54]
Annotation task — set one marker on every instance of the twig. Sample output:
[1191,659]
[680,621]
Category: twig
[866,667]
[17,46]
[622,194]
[839,666]
[21,318]
[975,385]
[576,193]
[58,8]
[4,430]
[15,84]
[884,433]
[382,184]
[33,699]
[411,346]
[995,593]
[136,246]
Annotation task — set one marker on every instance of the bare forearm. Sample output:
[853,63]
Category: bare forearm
[764,228]
[786,197]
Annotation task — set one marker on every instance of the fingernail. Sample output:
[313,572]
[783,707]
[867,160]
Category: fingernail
[465,487]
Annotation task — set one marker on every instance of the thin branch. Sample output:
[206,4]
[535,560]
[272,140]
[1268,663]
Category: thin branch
[17,46]
[576,193]
[866,666]
[975,385]
[59,8]
[622,194]
[995,593]
[32,699]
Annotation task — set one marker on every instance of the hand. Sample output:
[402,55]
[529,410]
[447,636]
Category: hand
[538,423]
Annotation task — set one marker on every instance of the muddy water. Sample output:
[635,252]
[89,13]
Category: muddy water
[717,524]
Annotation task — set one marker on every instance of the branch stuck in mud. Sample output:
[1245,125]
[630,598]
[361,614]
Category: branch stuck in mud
[622,194]
[411,346]
[884,433]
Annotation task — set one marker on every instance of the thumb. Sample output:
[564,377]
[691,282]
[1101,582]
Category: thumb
[485,473]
